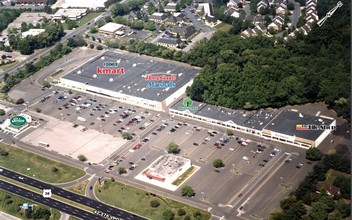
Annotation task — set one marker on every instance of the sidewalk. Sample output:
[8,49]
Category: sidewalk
[5,216]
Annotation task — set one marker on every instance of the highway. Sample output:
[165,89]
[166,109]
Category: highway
[117,213]
[48,201]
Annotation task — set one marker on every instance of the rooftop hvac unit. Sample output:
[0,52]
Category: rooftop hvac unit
[95,76]
[102,58]
[111,80]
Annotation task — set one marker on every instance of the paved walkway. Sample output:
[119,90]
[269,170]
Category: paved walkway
[5,216]
[64,216]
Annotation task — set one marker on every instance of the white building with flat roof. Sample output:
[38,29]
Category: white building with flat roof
[91,4]
[70,13]
[110,28]
[32,32]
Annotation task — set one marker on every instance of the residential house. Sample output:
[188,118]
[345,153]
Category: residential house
[170,7]
[180,17]
[281,9]
[210,20]
[131,16]
[277,22]
[262,5]
[233,11]
[185,32]
[31,1]
[258,20]
[311,3]
[156,2]
[261,27]
[169,42]
[172,20]
[158,17]
[331,190]
[312,18]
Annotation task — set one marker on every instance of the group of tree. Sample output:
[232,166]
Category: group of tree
[313,154]
[7,16]
[135,24]
[30,68]
[38,213]
[322,205]
[120,9]
[76,42]
[53,32]
[263,72]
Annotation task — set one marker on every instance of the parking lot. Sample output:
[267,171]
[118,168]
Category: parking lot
[251,183]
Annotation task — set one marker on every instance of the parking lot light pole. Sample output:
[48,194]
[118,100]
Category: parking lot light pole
[62,116]
[233,168]
[101,128]
[282,180]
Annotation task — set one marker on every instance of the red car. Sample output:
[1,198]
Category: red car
[137,146]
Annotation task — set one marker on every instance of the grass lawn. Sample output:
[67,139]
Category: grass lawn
[73,218]
[331,174]
[7,66]
[80,188]
[223,27]
[138,201]
[84,20]
[184,176]
[13,207]
[40,167]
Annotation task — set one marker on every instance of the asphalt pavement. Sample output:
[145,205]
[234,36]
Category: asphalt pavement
[118,213]
[48,201]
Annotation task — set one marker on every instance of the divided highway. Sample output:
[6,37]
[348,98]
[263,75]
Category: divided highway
[113,212]
[48,201]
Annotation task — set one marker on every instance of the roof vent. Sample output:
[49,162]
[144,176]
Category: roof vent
[142,89]
[111,80]
[261,123]
[180,74]
[79,72]
[95,76]
[151,61]
[300,115]
[134,65]
[102,58]
[169,71]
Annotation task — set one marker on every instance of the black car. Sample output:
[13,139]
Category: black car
[154,133]
[217,171]
[195,144]
[172,130]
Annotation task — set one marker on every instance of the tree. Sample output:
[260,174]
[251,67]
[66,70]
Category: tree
[173,148]
[229,132]
[290,6]
[187,191]
[99,47]
[288,202]
[71,24]
[335,215]
[108,19]
[54,169]
[181,212]
[178,7]
[3,152]
[20,101]
[168,215]
[122,170]
[13,3]
[154,203]
[93,29]
[313,153]
[126,135]
[38,110]
[71,42]
[91,46]
[318,211]
[82,158]
[218,163]
[2,112]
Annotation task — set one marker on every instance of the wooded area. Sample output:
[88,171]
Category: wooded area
[7,16]
[263,72]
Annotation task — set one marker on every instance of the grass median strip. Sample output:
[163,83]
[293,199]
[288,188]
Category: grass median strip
[184,176]
[144,203]
[56,197]
[10,203]
[34,165]
[79,188]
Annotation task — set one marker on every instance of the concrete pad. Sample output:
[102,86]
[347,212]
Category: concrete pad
[64,139]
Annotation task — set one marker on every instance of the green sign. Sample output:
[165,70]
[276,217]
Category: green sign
[187,105]
[187,102]
[18,121]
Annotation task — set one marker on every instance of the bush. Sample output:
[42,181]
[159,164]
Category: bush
[181,212]
[187,217]
[2,112]
[54,169]
[20,101]
[122,170]
[91,46]
[99,47]
[218,163]
[38,110]
[7,197]
[313,154]
[173,148]
[187,191]
[168,215]
[82,158]
[3,152]
[154,203]
[197,215]
[8,202]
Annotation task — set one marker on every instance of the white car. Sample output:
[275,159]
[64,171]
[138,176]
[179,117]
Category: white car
[20,177]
